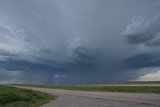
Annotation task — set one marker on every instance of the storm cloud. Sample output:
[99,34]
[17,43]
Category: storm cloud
[77,41]
[144,32]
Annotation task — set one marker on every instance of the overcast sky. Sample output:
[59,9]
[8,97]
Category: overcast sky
[79,41]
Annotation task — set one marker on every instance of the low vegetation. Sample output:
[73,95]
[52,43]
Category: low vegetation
[16,97]
[107,88]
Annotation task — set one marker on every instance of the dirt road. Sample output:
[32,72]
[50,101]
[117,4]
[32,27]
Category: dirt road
[68,98]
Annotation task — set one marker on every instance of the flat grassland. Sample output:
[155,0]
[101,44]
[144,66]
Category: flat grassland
[120,87]
[15,97]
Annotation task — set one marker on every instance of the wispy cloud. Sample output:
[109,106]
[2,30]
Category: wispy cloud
[144,32]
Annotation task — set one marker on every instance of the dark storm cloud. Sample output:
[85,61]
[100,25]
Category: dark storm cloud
[74,41]
[145,32]
[143,60]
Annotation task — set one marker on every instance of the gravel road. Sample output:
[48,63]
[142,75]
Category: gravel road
[68,98]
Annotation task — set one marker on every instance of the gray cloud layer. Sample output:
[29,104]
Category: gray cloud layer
[72,41]
[145,32]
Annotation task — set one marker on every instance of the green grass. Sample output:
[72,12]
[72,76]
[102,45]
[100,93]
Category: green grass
[131,89]
[16,97]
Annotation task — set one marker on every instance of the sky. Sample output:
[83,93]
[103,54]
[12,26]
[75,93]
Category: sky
[79,41]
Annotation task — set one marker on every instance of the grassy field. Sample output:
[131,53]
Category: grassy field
[106,88]
[15,97]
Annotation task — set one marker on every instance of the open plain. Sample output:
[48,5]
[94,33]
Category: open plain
[70,98]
